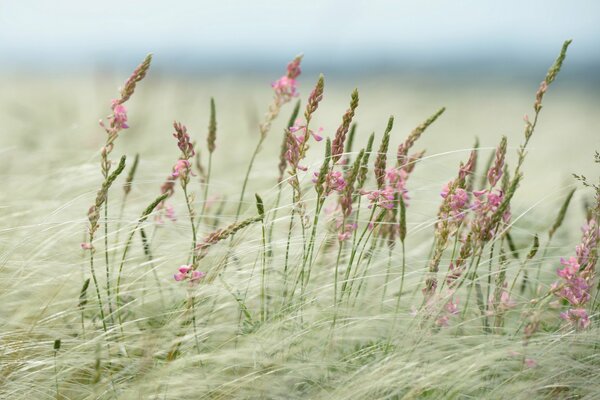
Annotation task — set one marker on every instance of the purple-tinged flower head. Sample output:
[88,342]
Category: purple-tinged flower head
[495,172]
[485,205]
[187,272]
[451,307]
[285,89]
[571,267]
[576,291]
[293,68]
[396,178]
[297,146]
[302,135]
[334,181]
[292,154]
[577,273]
[346,231]
[119,117]
[183,141]
[181,168]
[337,147]
[578,317]
[381,197]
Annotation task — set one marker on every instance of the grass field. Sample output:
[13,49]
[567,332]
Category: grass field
[287,309]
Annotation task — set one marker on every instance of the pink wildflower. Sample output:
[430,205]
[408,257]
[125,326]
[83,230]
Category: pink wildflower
[571,267]
[286,87]
[182,167]
[334,181]
[346,232]
[578,317]
[86,246]
[119,117]
[186,272]
[381,197]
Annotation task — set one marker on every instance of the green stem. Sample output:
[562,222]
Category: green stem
[263,286]
[206,186]
[108,294]
[100,305]
[254,154]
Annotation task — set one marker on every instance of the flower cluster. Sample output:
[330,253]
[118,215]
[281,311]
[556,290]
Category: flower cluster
[577,274]
[345,231]
[119,117]
[395,183]
[186,272]
[296,146]
[381,197]
[450,309]
[286,87]
[457,201]
[181,170]
[334,181]
[484,206]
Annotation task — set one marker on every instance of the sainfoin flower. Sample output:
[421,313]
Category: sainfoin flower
[186,272]
[578,317]
[286,87]
[334,181]
[119,117]
[380,197]
[346,231]
[577,275]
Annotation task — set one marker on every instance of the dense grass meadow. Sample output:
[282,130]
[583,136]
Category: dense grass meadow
[291,237]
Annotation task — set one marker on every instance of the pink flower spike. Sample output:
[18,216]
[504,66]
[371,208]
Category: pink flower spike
[86,246]
[120,115]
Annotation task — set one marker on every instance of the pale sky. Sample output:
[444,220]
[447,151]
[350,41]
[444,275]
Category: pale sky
[44,32]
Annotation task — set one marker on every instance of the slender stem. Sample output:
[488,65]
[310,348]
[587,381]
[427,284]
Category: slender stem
[397,309]
[100,305]
[287,254]
[108,294]
[250,165]
[311,243]
[191,214]
[472,275]
[118,288]
[56,376]
[263,286]
[273,219]
[353,252]
[206,186]
[193,311]
[387,276]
